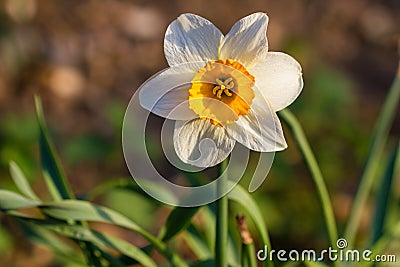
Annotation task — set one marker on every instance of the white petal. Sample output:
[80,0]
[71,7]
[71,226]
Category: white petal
[260,130]
[278,76]
[246,40]
[166,93]
[200,143]
[191,38]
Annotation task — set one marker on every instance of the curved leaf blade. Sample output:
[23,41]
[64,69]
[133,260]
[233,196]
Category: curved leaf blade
[10,200]
[178,220]
[52,171]
[241,196]
[86,211]
[384,193]
[21,182]
[103,240]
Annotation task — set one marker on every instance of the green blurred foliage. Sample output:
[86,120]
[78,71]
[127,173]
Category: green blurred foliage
[87,59]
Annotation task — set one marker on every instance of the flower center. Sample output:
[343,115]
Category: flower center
[223,87]
[221,91]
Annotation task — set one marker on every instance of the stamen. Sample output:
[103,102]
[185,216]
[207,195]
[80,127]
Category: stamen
[219,93]
[228,80]
[216,88]
[223,87]
[226,91]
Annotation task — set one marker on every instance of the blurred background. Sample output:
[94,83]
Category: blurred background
[86,58]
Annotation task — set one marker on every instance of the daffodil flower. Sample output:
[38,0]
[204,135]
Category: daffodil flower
[222,88]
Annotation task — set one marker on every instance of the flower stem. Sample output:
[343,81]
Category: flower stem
[316,174]
[221,238]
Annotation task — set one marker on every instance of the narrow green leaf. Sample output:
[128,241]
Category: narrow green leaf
[113,261]
[208,226]
[10,200]
[208,221]
[38,229]
[178,220]
[316,174]
[208,263]
[47,238]
[21,181]
[86,211]
[248,256]
[203,263]
[381,206]
[127,184]
[380,135]
[379,247]
[315,264]
[196,244]
[291,264]
[241,196]
[53,173]
[103,240]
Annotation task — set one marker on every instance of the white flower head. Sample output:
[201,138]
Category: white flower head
[222,89]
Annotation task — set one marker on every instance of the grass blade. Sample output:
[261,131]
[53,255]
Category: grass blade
[197,245]
[53,173]
[86,211]
[178,220]
[101,240]
[55,178]
[248,254]
[316,174]
[47,238]
[381,132]
[241,196]
[10,201]
[21,181]
[203,263]
[382,199]
[314,264]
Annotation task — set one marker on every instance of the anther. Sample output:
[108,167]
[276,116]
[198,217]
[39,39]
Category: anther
[223,87]
[226,91]
[216,88]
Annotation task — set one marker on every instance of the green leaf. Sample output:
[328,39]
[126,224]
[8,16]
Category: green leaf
[241,196]
[316,174]
[208,222]
[52,171]
[10,200]
[382,200]
[86,211]
[21,181]
[54,175]
[248,256]
[315,264]
[206,263]
[380,135]
[291,264]
[47,238]
[203,263]
[130,185]
[197,244]
[102,240]
[178,220]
